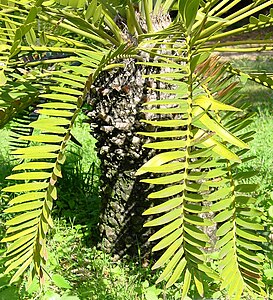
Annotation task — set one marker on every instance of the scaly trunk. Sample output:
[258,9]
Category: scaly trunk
[116,100]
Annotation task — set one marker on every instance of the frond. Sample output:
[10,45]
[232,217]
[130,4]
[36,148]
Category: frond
[87,25]
[181,170]
[41,161]
[19,93]
[20,127]
[39,170]
[196,134]
[263,21]
[240,266]
[18,24]
[260,78]
[220,29]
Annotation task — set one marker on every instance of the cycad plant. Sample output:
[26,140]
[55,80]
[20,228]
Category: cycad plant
[56,56]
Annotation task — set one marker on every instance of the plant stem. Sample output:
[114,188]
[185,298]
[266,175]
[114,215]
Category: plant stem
[245,12]
[133,17]
[239,50]
[75,30]
[250,27]
[148,16]
[218,7]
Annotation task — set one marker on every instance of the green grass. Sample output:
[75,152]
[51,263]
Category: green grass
[76,269]
[260,97]
[79,187]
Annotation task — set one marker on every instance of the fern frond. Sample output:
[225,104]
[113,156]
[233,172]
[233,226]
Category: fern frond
[41,163]
[240,267]
[185,178]
[40,169]
[195,166]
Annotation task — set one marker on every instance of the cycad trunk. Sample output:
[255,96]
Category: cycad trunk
[116,101]
[115,118]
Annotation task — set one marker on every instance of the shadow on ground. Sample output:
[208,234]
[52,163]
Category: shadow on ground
[78,192]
